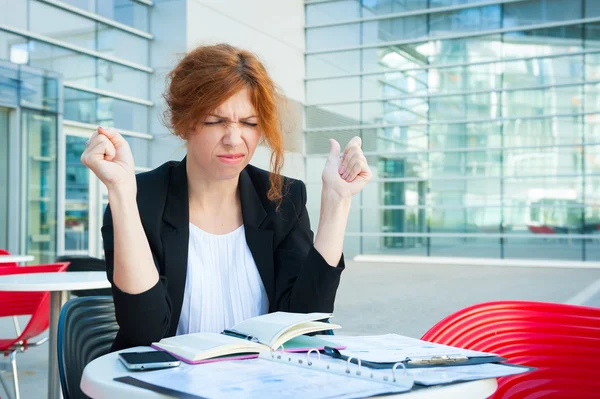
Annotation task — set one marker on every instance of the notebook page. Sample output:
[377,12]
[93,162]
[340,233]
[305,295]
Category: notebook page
[258,378]
[391,348]
[191,345]
[267,328]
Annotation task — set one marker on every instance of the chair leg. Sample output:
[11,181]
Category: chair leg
[13,362]
[17,327]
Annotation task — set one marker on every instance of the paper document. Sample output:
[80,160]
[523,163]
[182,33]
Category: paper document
[391,348]
[259,378]
[432,375]
[446,375]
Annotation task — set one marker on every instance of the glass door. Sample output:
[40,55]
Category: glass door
[4,178]
[39,131]
[83,200]
[77,198]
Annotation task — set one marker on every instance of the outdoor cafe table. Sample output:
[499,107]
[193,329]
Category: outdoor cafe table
[98,382]
[15,258]
[59,285]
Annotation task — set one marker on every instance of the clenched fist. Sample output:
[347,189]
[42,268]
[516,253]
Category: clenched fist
[108,155]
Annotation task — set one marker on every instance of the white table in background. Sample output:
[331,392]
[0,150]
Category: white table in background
[15,258]
[98,382]
[59,284]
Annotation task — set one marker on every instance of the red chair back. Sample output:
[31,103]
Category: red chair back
[5,252]
[561,341]
[34,304]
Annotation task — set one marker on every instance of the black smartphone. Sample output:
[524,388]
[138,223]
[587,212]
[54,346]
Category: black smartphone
[152,360]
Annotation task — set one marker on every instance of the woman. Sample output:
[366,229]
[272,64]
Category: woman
[202,244]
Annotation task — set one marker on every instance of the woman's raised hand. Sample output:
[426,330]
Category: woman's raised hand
[108,155]
[349,175]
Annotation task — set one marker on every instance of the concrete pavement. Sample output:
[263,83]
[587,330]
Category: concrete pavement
[381,298]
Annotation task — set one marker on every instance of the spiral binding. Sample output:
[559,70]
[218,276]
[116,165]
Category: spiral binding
[280,355]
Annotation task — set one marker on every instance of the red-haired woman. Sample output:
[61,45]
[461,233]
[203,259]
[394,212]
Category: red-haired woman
[202,244]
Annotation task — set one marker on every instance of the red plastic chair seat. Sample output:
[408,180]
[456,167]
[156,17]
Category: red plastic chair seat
[561,341]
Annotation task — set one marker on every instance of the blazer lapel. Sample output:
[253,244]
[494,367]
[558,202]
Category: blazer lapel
[175,238]
[260,241]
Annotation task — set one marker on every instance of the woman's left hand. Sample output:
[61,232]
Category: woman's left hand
[349,175]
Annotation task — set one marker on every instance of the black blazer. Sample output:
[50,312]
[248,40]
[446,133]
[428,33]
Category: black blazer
[295,275]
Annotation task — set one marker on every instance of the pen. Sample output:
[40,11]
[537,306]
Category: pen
[437,359]
[238,334]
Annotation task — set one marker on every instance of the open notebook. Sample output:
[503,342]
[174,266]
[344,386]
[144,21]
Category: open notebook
[250,337]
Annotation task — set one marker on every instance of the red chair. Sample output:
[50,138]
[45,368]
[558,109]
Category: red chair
[34,304]
[561,341]
[5,252]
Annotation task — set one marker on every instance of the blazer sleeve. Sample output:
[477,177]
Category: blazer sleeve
[304,281]
[143,318]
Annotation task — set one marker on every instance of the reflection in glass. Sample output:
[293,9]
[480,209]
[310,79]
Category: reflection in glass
[4,171]
[76,198]
[41,176]
[483,146]
[90,108]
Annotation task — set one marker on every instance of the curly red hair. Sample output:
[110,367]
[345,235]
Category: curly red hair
[206,77]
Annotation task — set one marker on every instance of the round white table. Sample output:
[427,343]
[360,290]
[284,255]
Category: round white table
[98,382]
[59,285]
[15,258]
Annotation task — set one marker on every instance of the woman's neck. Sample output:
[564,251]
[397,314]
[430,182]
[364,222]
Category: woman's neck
[211,195]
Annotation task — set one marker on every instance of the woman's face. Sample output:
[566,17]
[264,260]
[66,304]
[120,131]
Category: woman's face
[223,144]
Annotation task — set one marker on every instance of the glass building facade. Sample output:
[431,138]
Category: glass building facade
[479,118]
[66,67]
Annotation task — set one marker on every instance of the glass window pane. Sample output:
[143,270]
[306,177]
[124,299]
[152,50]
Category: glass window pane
[62,25]
[121,44]
[332,115]
[531,12]
[464,21]
[122,114]
[9,83]
[13,48]
[122,79]
[381,7]
[332,11]
[333,37]
[14,13]
[74,67]
[128,12]
[393,29]
[333,64]
[76,198]
[38,91]
[469,247]
[140,150]
[87,5]
[333,90]
[89,108]
[4,171]
[40,208]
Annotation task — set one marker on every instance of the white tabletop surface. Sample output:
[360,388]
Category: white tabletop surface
[97,382]
[15,258]
[54,281]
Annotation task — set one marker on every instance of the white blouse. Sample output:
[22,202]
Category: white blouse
[223,286]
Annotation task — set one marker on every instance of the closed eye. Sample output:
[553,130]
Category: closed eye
[214,123]
[250,124]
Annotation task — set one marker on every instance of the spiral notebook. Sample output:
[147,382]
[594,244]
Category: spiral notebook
[273,375]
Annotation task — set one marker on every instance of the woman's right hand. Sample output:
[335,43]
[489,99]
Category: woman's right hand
[108,155]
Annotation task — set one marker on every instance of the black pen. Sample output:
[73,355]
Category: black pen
[238,334]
